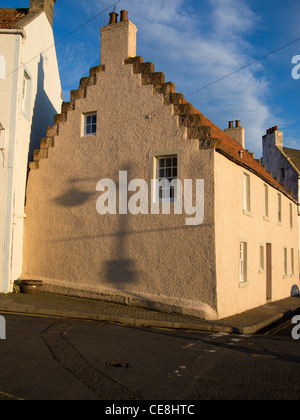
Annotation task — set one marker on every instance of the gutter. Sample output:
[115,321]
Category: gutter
[13,32]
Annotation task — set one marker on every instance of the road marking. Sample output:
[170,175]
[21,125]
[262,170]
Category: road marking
[278,328]
[12,397]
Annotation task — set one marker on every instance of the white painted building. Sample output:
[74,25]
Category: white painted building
[30,95]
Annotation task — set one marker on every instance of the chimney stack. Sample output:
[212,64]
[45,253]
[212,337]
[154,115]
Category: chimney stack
[273,136]
[118,40]
[237,132]
[46,6]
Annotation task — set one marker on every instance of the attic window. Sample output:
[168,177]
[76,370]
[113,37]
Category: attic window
[90,124]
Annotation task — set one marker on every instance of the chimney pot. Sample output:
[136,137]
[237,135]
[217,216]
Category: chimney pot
[113,17]
[238,123]
[230,124]
[124,15]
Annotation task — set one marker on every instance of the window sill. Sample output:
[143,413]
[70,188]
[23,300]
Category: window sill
[279,223]
[247,213]
[267,219]
[261,271]
[244,284]
[286,276]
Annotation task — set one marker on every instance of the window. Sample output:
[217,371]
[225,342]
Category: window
[266,201]
[261,258]
[243,262]
[282,173]
[167,168]
[26,90]
[90,124]
[247,199]
[279,209]
[291,217]
[285,262]
[2,67]
[292,262]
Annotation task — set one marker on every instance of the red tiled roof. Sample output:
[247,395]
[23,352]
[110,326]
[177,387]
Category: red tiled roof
[8,17]
[230,148]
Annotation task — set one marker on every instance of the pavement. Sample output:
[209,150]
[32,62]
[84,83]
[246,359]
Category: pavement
[56,305]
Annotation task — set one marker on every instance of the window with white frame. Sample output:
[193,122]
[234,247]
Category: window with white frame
[291,217]
[279,208]
[166,172]
[2,67]
[90,124]
[261,258]
[243,262]
[292,262]
[247,193]
[285,262]
[266,190]
[26,91]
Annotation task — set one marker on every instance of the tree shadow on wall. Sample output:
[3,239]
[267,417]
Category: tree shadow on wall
[120,271]
[74,197]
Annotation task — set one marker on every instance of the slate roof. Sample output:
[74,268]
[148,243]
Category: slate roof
[9,17]
[294,156]
[230,148]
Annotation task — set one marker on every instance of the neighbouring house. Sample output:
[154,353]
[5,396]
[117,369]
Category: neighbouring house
[30,95]
[97,224]
[283,162]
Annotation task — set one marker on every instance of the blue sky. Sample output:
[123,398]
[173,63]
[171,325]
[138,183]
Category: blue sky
[196,42]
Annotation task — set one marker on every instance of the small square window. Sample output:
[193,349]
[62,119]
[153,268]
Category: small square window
[90,124]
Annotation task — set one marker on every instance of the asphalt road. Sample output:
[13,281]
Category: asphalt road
[55,359]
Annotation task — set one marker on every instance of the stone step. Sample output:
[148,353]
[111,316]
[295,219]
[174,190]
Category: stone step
[190,120]
[46,142]
[77,94]
[199,132]
[67,106]
[52,130]
[133,60]
[173,98]
[60,118]
[97,69]
[39,154]
[154,79]
[183,109]
[143,68]
[165,88]
[86,81]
